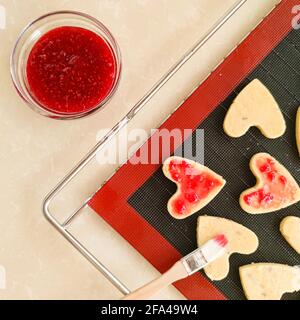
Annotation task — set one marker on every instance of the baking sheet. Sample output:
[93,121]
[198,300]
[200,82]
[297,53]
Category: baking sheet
[279,71]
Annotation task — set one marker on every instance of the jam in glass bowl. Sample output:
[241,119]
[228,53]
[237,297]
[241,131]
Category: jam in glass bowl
[66,65]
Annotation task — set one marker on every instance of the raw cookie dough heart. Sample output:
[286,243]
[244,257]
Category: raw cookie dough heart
[275,189]
[197,185]
[298,129]
[240,240]
[254,107]
[290,229]
[269,281]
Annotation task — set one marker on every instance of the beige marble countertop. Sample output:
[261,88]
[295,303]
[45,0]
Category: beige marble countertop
[36,152]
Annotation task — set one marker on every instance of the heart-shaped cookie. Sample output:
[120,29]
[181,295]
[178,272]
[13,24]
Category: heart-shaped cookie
[240,240]
[290,229]
[254,107]
[197,185]
[269,281]
[275,189]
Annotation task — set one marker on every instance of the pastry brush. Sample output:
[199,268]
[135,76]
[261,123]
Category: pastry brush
[183,268]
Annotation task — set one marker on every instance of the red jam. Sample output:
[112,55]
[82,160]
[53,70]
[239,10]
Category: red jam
[194,185]
[70,70]
[275,191]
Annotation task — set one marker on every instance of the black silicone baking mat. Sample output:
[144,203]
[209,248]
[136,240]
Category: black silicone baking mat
[280,72]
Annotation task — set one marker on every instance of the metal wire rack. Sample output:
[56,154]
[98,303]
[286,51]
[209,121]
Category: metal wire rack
[63,227]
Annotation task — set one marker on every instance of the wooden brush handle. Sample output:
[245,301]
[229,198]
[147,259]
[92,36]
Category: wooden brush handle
[176,273]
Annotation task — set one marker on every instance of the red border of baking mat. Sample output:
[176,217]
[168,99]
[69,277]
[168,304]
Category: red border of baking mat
[110,202]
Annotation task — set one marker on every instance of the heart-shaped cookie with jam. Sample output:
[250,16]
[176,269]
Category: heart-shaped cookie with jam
[240,240]
[275,189]
[269,281]
[254,107]
[197,185]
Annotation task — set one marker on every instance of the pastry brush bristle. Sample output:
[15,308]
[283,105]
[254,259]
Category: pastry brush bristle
[221,240]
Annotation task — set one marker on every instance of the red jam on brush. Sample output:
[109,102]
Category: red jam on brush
[275,190]
[70,70]
[194,185]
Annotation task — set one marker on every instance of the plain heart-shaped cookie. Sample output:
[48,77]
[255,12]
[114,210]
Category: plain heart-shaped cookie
[197,185]
[275,189]
[254,107]
[290,229]
[240,240]
[269,281]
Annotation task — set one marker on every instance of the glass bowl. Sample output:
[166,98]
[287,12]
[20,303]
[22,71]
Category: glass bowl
[31,34]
